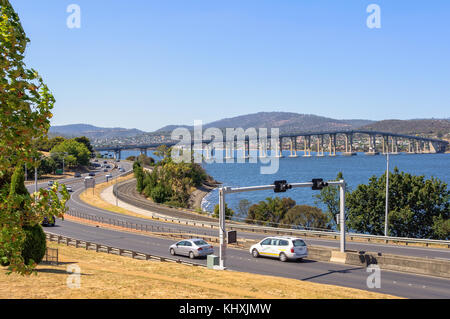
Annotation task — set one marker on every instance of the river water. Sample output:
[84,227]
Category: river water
[356,170]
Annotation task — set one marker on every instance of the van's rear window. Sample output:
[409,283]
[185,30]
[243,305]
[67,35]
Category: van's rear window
[298,243]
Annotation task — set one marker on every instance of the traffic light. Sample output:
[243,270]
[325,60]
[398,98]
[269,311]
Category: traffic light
[281,186]
[318,184]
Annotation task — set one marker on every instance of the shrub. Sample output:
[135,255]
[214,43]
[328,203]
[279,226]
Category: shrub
[35,244]
[160,194]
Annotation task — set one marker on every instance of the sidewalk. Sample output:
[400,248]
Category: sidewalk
[108,196]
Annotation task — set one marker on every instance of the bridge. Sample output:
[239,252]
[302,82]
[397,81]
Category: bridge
[371,142]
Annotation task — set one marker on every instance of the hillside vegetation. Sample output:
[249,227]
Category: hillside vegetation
[92,131]
[425,127]
[169,182]
[286,121]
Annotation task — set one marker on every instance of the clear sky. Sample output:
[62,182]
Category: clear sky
[145,64]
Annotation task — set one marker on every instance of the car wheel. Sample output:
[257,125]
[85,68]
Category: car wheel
[300,260]
[172,251]
[191,255]
[283,257]
[255,253]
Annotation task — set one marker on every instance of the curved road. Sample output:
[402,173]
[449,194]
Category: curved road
[395,283]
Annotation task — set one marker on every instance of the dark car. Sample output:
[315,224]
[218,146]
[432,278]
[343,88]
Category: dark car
[77,174]
[91,174]
[47,222]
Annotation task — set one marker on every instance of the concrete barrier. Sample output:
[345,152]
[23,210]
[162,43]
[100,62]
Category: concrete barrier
[415,265]
[319,253]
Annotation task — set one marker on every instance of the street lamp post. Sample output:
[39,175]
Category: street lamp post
[387,197]
[64,156]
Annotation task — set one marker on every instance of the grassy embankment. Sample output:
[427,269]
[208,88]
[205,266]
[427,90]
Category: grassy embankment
[110,276]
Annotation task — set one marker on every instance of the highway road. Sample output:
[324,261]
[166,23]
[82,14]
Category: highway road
[400,284]
[442,253]
[395,283]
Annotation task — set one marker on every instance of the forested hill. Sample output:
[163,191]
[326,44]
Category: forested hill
[439,128]
[287,122]
[92,131]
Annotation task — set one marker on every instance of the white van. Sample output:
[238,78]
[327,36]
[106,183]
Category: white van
[284,248]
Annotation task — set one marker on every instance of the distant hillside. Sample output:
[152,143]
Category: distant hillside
[427,127]
[170,128]
[92,132]
[287,122]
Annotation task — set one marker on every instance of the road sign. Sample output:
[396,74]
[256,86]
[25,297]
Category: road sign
[232,237]
[89,183]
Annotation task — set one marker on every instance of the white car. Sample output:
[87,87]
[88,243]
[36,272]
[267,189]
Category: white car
[284,248]
[192,248]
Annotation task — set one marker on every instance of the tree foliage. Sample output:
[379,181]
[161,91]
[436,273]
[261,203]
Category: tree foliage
[418,207]
[169,182]
[307,217]
[284,212]
[228,211]
[329,196]
[84,140]
[244,206]
[35,244]
[25,113]
[45,144]
[79,152]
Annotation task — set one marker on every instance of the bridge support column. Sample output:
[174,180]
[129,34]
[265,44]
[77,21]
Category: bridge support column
[410,147]
[332,148]
[372,145]
[117,155]
[319,145]
[385,144]
[229,150]
[349,145]
[143,151]
[418,147]
[307,151]
[280,148]
[394,146]
[247,149]
[436,147]
[292,148]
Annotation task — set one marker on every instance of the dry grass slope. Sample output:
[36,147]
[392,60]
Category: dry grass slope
[110,276]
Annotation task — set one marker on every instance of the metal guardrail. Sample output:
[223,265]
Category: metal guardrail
[151,229]
[113,250]
[286,231]
[146,204]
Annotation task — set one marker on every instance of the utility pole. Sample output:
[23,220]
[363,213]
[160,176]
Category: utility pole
[115,186]
[316,184]
[35,177]
[222,231]
[387,196]
[342,214]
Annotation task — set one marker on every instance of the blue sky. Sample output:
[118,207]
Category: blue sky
[146,64]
